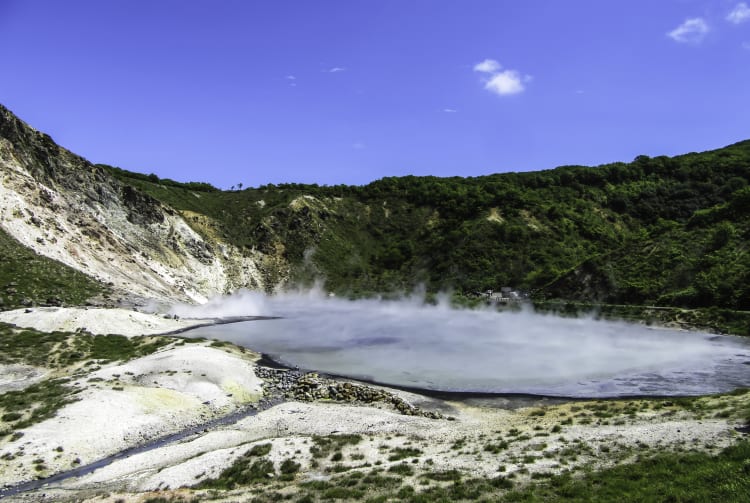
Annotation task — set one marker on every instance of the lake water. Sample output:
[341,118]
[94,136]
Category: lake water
[407,343]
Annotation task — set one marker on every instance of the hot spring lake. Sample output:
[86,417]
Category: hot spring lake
[438,348]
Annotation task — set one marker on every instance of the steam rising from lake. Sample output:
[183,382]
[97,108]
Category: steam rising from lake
[409,343]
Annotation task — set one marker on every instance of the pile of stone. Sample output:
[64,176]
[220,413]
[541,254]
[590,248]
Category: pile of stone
[309,387]
[278,380]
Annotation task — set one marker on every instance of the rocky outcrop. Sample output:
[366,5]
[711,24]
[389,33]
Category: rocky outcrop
[67,209]
[310,387]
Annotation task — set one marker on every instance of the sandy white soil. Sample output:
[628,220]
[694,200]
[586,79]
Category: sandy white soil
[289,427]
[121,406]
[95,320]
[15,377]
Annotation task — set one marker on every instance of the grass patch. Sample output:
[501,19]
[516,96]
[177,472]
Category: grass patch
[63,349]
[496,448]
[245,470]
[289,469]
[401,469]
[323,446]
[399,453]
[27,278]
[443,476]
[259,450]
[693,477]
[35,403]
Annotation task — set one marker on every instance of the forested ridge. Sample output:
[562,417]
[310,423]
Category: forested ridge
[667,231]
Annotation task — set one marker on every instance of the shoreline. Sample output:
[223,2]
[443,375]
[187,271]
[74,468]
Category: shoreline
[268,360]
[218,321]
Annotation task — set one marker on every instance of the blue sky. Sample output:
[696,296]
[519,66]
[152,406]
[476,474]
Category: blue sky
[349,91]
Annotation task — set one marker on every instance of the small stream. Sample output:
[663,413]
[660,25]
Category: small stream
[80,471]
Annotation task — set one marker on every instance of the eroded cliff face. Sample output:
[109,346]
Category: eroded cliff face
[67,209]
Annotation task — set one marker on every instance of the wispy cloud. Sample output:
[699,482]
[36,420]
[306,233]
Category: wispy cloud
[358,145]
[739,14]
[336,69]
[746,46]
[291,77]
[487,66]
[501,82]
[692,31]
[450,110]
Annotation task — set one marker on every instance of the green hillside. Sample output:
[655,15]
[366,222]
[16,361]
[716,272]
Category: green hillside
[27,278]
[657,231]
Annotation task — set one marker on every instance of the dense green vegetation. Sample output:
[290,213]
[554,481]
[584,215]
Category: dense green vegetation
[657,231]
[712,319]
[27,278]
[129,175]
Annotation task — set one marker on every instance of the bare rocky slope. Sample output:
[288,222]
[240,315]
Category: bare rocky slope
[65,208]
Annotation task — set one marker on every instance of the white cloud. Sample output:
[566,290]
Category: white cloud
[450,110]
[502,82]
[488,66]
[336,69]
[291,77]
[358,145]
[692,31]
[739,14]
[507,82]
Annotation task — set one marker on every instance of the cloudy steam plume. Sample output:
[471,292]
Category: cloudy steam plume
[411,343]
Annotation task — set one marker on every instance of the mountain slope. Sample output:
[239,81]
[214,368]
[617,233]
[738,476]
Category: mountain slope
[71,211]
[666,231]
[27,278]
